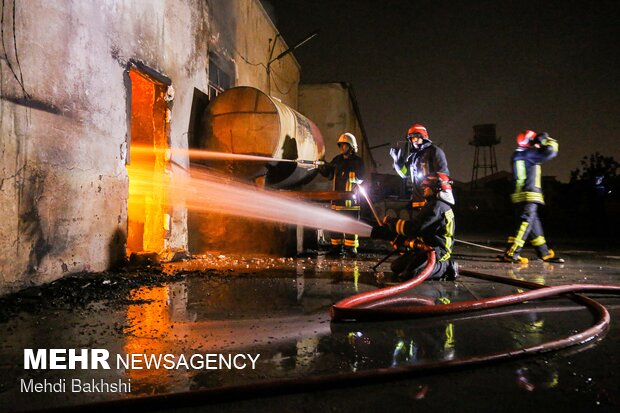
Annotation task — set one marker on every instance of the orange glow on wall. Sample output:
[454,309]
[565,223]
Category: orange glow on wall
[147,204]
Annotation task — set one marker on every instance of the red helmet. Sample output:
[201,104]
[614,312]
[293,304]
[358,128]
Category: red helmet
[525,137]
[416,128]
[437,181]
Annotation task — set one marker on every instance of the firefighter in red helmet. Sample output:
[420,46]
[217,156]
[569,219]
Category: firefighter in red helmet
[533,149]
[423,159]
[346,170]
[432,228]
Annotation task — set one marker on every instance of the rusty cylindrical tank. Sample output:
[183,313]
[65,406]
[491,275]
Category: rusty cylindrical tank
[244,120]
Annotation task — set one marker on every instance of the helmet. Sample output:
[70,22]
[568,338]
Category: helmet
[349,139]
[437,181]
[525,137]
[416,128]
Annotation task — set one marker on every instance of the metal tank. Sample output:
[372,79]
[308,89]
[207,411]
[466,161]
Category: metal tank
[484,135]
[244,120]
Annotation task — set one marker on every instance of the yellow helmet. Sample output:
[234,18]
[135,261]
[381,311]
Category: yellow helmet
[349,139]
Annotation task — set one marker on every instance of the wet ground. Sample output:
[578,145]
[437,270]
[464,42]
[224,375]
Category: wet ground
[276,311]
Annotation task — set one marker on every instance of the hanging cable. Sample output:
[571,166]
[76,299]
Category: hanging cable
[19,67]
[6,56]
[278,88]
[246,59]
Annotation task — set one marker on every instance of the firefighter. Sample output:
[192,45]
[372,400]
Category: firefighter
[346,170]
[432,228]
[425,158]
[533,150]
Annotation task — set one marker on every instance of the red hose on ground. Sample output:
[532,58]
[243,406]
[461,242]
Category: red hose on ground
[351,307]
[340,308]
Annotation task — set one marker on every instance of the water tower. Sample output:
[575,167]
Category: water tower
[485,161]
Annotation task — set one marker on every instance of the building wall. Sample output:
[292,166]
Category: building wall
[255,39]
[242,33]
[63,147]
[332,107]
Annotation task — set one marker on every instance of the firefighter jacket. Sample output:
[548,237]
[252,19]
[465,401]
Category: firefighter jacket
[527,174]
[345,172]
[425,160]
[433,226]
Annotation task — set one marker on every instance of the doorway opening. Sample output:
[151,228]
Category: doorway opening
[148,213]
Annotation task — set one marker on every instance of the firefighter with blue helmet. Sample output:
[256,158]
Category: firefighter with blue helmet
[533,150]
[431,229]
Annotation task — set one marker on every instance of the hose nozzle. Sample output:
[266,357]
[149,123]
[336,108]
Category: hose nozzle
[307,162]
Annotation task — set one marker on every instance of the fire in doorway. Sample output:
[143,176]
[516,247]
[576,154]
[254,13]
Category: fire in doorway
[148,212]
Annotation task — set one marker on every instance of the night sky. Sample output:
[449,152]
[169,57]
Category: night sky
[541,65]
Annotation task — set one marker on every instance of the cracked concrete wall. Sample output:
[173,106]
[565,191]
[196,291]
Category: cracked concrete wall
[63,181]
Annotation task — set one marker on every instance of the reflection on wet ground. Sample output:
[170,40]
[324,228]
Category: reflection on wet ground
[279,309]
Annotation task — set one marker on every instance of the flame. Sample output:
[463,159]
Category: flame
[149,184]
[147,204]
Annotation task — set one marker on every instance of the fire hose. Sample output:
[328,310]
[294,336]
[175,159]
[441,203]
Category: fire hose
[371,306]
[352,308]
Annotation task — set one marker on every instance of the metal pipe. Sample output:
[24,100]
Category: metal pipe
[384,259]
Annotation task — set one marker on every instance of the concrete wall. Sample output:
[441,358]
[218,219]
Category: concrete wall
[63,181]
[332,107]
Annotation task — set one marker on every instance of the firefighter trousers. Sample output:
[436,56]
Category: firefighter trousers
[527,228]
[349,241]
[411,263]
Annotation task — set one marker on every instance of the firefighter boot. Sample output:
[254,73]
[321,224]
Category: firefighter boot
[515,259]
[552,258]
[350,252]
[452,272]
[335,251]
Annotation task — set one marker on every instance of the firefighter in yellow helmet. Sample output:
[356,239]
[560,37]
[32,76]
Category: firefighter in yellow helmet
[346,170]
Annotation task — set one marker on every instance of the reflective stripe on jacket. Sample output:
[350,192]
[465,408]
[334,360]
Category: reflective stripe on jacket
[428,159]
[434,225]
[527,173]
[345,172]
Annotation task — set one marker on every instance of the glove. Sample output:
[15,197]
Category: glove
[395,153]
[540,138]
[382,232]
[390,223]
[325,168]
